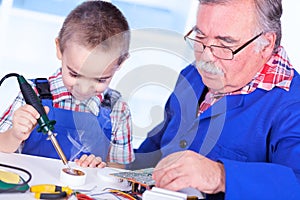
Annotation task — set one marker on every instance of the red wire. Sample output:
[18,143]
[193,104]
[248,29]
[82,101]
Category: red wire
[83,197]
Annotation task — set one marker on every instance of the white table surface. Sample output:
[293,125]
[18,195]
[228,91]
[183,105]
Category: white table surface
[47,171]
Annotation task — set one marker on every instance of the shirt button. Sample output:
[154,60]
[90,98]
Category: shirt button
[183,143]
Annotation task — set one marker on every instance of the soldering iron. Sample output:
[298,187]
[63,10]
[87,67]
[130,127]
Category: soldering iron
[46,126]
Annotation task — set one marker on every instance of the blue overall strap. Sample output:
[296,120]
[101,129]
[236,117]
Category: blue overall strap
[110,98]
[43,88]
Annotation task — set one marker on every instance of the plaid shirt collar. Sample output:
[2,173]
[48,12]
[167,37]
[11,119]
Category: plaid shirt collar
[277,72]
[62,98]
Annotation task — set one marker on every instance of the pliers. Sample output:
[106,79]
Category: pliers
[50,191]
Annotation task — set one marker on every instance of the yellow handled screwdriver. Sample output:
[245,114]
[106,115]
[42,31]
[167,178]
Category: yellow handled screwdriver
[50,188]
[50,191]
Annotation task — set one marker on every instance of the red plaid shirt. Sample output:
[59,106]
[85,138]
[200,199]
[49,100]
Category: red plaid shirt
[121,149]
[277,72]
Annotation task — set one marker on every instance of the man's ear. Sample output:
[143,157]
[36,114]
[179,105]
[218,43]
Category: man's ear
[58,52]
[270,38]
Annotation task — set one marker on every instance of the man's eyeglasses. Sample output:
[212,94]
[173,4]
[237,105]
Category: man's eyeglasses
[220,52]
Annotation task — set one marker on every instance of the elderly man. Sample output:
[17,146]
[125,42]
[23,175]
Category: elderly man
[232,124]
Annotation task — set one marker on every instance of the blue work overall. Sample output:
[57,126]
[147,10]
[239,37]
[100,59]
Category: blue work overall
[77,133]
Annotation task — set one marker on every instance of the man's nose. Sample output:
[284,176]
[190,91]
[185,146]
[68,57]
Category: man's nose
[207,55]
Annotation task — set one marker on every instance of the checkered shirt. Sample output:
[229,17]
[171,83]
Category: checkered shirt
[121,149]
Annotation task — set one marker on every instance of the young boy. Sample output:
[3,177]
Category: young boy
[93,124]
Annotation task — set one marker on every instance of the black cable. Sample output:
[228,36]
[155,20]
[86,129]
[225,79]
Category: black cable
[16,185]
[9,166]
[7,76]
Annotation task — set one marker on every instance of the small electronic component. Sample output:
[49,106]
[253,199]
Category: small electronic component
[141,180]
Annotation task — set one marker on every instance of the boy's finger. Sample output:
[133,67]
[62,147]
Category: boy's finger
[101,165]
[84,160]
[30,109]
[47,109]
[89,159]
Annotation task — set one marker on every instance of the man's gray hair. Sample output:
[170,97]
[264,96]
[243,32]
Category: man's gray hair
[268,14]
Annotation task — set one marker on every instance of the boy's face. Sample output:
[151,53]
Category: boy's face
[87,73]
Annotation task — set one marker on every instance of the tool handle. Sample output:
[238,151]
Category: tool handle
[43,188]
[30,96]
[50,188]
[32,99]
[54,195]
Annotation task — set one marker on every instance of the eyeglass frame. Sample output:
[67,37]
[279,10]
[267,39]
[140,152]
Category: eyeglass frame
[233,52]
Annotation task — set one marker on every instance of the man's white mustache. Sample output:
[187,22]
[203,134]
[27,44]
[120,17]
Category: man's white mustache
[209,67]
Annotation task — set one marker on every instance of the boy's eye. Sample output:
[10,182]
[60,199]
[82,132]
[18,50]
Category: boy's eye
[101,80]
[73,75]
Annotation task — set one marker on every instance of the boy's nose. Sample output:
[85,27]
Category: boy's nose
[85,87]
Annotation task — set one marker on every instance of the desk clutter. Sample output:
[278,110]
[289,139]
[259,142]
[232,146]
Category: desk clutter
[11,181]
[119,184]
[140,180]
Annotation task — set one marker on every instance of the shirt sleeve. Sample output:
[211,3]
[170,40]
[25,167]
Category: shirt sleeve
[121,149]
[6,117]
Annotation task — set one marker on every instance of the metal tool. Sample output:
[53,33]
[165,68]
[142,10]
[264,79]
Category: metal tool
[50,191]
[45,125]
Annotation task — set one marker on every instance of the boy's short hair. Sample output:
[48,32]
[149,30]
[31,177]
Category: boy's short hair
[95,23]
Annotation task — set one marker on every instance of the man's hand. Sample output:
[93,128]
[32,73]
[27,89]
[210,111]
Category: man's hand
[189,169]
[90,161]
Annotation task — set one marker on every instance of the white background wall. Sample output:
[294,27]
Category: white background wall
[291,31]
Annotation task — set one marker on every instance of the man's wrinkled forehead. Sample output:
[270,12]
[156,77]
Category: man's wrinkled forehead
[226,19]
[216,1]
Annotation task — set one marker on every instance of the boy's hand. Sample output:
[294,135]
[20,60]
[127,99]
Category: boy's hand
[24,120]
[90,161]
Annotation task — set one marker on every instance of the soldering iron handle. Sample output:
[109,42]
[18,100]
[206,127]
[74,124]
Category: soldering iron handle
[32,99]
[30,96]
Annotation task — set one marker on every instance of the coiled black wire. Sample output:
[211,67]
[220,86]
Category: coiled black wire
[16,186]
[7,76]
